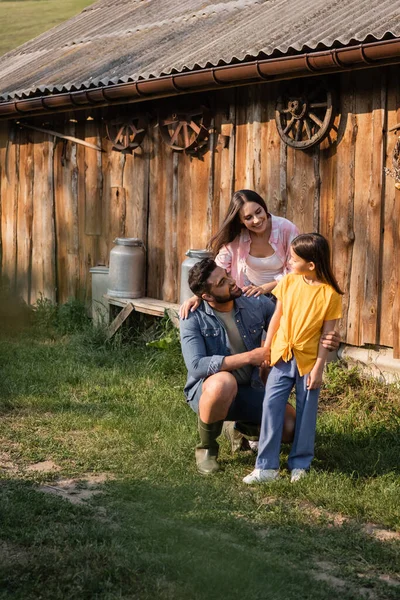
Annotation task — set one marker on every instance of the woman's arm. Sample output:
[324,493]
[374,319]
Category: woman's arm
[314,380]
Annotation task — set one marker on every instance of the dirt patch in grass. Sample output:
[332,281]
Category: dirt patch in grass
[7,464]
[336,519]
[324,573]
[77,490]
[45,466]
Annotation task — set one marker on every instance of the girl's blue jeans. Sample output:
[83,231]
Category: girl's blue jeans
[281,380]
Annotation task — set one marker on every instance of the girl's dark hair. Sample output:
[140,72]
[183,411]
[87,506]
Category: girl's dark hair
[231,226]
[313,247]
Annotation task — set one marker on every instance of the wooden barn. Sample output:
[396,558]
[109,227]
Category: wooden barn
[140,118]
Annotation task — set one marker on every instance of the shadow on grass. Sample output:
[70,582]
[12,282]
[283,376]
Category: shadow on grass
[142,540]
[366,453]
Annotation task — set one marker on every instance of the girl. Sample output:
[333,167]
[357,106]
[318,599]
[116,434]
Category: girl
[308,305]
[252,245]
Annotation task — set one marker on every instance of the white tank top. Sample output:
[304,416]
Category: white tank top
[263,270]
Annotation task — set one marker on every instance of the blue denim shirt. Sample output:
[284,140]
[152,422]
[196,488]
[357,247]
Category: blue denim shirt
[205,342]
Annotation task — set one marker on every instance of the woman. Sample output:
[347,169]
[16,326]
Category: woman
[252,245]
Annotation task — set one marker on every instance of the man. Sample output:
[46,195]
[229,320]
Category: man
[221,347]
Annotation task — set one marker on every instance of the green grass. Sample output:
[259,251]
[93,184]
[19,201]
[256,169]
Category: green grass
[22,20]
[159,530]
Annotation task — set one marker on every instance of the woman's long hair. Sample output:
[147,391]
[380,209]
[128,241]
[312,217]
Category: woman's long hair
[232,226]
[313,247]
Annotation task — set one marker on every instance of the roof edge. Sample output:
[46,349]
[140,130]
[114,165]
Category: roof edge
[360,56]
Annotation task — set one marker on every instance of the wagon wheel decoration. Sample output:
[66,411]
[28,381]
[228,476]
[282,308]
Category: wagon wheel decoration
[304,114]
[186,130]
[126,133]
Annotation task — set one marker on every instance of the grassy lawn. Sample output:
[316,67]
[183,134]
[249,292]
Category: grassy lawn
[22,20]
[99,497]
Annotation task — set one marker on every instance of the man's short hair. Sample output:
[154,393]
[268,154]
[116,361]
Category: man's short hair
[199,274]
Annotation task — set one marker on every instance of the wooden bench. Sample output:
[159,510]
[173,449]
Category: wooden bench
[148,306]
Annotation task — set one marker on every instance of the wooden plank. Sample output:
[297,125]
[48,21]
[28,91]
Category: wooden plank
[362,197]
[301,188]
[223,156]
[43,226]
[119,319]
[390,279]
[271,156]
[66,216]
[117,197]
[343,231]
[93,179]
[136,185]
[374,211]
[9,198]
[150,306]
[242,175]
[25,216]
[170,288]
[327,199]
[89,205]
[159,188]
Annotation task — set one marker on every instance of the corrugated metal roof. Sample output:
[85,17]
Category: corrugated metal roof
[116,41]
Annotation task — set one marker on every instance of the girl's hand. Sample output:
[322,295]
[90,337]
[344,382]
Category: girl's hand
[264,372]
[267,357]
[189,306]
[314,380]
[253,290]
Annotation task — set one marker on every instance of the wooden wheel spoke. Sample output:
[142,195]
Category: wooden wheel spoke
[318,104]
[174,137]
[120,134]
[299,129]
[167,122]
[308,130]
[289,126]
[315,119]
[195,127]
[186,135]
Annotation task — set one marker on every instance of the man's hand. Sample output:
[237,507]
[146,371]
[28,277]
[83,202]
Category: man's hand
[330,340]
[257,356]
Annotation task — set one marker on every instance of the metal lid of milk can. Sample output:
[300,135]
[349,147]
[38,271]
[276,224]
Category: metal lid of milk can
[128,242]
[193,253]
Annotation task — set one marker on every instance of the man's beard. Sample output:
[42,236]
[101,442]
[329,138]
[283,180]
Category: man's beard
[235,292]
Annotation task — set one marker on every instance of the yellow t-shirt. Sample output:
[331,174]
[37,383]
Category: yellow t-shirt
[305,307]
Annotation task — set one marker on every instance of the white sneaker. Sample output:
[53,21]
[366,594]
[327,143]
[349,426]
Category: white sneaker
[297,474]
[261,475]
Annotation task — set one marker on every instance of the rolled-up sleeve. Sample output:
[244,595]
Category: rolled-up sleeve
[194,351]
[224,259]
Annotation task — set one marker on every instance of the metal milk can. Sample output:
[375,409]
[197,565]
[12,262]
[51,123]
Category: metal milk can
[127,268]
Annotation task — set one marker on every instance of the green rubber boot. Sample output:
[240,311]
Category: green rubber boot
[207,450]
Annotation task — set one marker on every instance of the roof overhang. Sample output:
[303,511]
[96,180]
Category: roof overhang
[359,56]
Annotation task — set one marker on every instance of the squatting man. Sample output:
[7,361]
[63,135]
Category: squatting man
[221,346]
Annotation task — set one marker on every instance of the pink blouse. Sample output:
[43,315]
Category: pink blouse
[233,256]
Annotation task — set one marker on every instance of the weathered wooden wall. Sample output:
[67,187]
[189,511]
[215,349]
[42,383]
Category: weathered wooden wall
[62,204]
